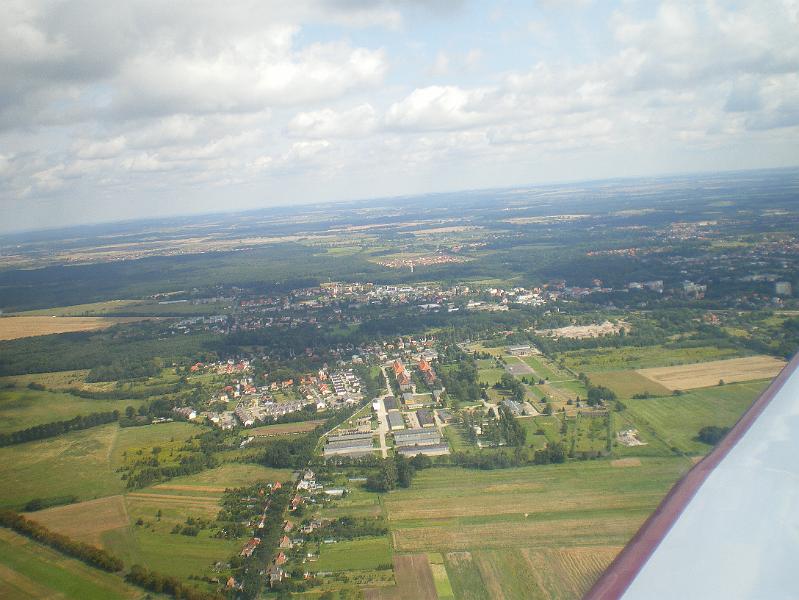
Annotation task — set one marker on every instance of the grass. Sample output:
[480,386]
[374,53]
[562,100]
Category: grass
[226,476]
[76,463]
[132,439]
[30,570]
[21,408]
[362,554]
[545,369]
[465,578]
[80,463]
[640,357]
[456,437]
[285,428]
[530,532]
[490,375]
[628,383]
[578,503]
[676,420]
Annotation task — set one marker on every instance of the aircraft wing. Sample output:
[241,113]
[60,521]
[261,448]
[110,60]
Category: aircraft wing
[730,528]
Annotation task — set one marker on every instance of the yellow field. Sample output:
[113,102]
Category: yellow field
[85,521]
[285,428]
[12,328]
[706,374]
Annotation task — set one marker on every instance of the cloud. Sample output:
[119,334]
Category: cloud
[327,123]
[252,100]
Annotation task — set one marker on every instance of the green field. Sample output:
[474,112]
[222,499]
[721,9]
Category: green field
[21,407]
[492,526]
[490,376]
[628,383]
[545,369]
[637,357]
[30,570]
[676,420]
[354,555]
[80,463]
[76,463]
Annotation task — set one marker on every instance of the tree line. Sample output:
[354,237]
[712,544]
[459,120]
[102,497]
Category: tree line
[55,428]
[91,555]
[166,584]
[397,471]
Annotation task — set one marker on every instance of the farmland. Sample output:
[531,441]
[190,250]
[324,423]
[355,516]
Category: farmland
[23,407]
[627,384]
[30,570]
[76,463]
[495,528]
[634,357]
[369,553]
[12,328]
[706,374]
[676,420]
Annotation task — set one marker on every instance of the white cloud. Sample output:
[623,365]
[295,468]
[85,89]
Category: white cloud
[97,97]
[327,123]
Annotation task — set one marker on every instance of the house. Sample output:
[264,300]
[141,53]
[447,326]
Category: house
[288,526]
[187,412]
[275,574]
[250,547]
[276,486]
[281,558]
[285,542]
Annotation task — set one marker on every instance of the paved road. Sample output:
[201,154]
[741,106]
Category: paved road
[382,418]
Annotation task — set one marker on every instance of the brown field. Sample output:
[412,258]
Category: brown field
[12,328]
[626,462]
[85,521]
[585,331]
[572,570]
[414,580]
[706,374]
[285,428]
[501,535]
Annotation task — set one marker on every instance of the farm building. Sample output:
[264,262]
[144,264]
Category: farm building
[523,350]
[395,420]
[358,447]
[414,437]
[425,417]
[434,450]
[515,408]
[349,437]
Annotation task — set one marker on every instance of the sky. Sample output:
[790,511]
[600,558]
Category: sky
[120,110]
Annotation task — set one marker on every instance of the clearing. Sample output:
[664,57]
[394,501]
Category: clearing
[706,374]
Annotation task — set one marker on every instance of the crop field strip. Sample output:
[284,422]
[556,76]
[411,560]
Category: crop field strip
[710,373]
[578,516]
[14,328]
